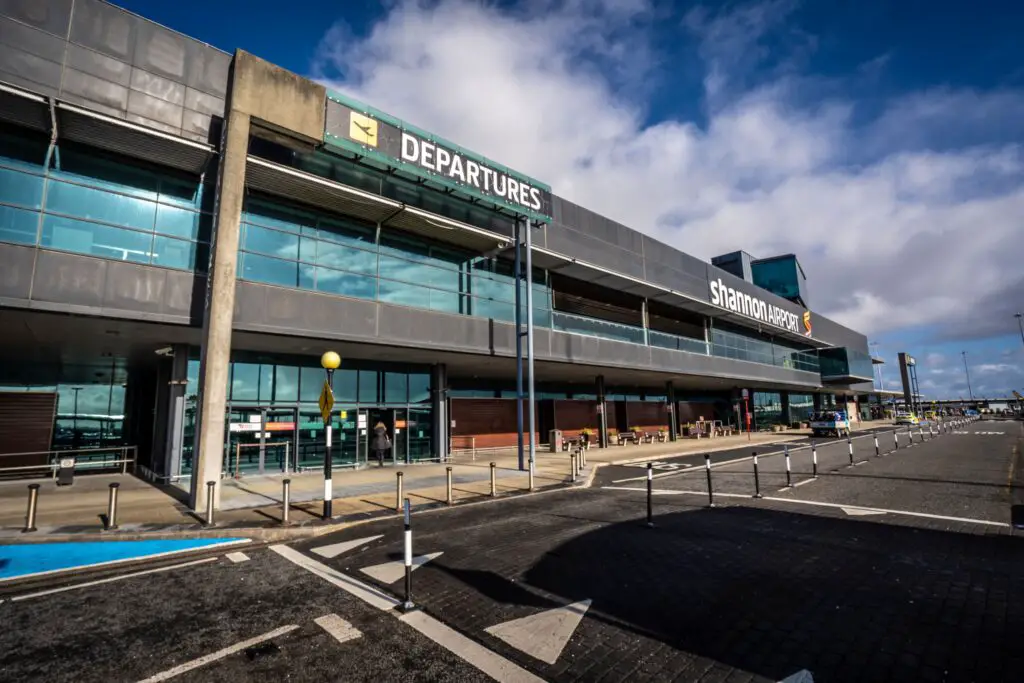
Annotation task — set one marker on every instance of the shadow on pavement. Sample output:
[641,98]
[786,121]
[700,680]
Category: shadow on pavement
[772,592]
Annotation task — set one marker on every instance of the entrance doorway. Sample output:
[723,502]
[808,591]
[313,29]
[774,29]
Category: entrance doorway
[260,440]
[395,421]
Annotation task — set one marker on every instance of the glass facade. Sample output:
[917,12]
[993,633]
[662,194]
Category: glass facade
[782,276]
[729,344]
[274,422]
[801,407]
[292,247]
[767,407]
[844,362]
[85,203]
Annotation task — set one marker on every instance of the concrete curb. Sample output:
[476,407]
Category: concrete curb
[716,449]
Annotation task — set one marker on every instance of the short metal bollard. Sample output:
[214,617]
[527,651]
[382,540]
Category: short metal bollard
[877,452]
[572,467]
[849,446]
[286,500]
[494,482]
[112,507]
[707,468]
[408,605]
[449,499]
[399,489]
[529,475]
[33,502]
[583,458]
[814,460]
[650,495]
[211,488]
[579,462]
[789,476]
[757,480]
[896,439]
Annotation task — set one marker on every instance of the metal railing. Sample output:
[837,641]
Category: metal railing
[467,447]
[85,459]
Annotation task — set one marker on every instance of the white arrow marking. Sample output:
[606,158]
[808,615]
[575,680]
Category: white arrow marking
[543,635]
[389,572]
[802,676]
[336,549]
[858,512]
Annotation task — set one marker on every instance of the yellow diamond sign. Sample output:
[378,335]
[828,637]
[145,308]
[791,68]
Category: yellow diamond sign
[326,402]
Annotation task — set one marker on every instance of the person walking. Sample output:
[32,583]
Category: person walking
[381,442]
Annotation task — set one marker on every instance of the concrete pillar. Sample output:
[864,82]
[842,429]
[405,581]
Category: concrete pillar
[216,350]
[785,408]
[439,410]
[602,414]
[673,409]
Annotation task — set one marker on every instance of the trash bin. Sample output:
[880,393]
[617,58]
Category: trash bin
[555,440]
[65,471]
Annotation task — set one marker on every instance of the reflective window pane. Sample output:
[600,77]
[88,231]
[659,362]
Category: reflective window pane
[270,270]
[18,225]
[286,383]
[367,386]
[173,253]
[23,189]
[87,202]
[344,257]
[270,242]
[345,284]
[96,240]
[245,381]
[171,220]
[419,387]
[275,216]
[404,294]
[396,387]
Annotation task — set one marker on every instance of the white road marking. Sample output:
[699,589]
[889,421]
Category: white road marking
[139,558]
[803,481]
[335,549]
[389,572]
[111,579]
[219,654]
[925,515]
[543,635]
[338,627]
[237,557]
[491,663]
[857,512]
[355,587]
[802,676]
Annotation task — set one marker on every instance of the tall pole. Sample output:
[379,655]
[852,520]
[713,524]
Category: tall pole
[74,418]
[519,346]
[1020,325]
[329,361]
[529,339]
[968,373]
[878,366]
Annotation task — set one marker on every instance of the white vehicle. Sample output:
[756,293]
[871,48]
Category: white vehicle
[830,423]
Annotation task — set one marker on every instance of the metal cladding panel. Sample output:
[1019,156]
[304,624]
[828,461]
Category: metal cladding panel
[184,294]
[204,103]
[208,69]
[686,282]
[595,225]
[23,109]
[52,16]
[575,244]
[837,335]
[29,71]
[31,41]
[69,279]
[165,89]
[26,425]
[95,64]
[104,28]
[427,328]
[112,96]
[161,51]
[132,287]
[16,273]
[280,310]
[155,109]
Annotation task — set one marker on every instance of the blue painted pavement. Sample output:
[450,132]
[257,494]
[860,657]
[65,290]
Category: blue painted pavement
[36,558]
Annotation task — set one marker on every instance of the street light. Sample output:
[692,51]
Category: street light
[1020,325]
[968,373]
[330,362]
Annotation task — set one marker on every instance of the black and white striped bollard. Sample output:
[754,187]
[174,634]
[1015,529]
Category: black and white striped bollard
[757,479]
[896,439]
[877,452]
[407,604]
[707,468]
[789,476]
[814,460]
[650,495]
[849,446]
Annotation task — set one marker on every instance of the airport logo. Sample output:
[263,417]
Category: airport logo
[736,301]
[449,163]
[362,129]
[807,323]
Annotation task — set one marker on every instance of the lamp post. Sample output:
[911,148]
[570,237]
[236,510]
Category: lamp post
[1020,325]
[330,362]
[967,372]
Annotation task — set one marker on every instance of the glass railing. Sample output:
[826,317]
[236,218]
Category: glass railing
[672,341]
[577,324]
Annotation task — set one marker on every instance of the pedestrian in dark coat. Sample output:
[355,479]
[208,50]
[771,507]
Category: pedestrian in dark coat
[381,443]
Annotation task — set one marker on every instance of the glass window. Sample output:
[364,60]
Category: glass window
[307,249]
[345,284]
[245,381]
[96,240]
[23,189]
[346,232]
[177,222]
[404,294]
[173,253]
[419,387]
[276,216]
[488,308]
[368,386]
[18,225]
[100,205]
[83,164]
[396,387]
[271,270]
[449,302]
[286,383]
[270,242]
[180,192]
[345,382]
[344,257]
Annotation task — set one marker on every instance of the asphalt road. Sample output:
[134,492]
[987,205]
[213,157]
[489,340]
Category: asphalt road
[822,577]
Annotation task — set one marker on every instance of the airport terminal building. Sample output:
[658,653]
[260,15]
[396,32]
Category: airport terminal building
[184,231]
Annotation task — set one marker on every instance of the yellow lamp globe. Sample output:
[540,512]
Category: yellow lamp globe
[330,360]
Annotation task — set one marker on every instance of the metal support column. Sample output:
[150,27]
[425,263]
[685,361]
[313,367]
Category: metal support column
[519,345]
[529,343]
[673,419]
[602,417]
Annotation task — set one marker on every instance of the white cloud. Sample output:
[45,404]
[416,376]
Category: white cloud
[913,219]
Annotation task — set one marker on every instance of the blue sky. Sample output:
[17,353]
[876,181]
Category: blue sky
[878,140]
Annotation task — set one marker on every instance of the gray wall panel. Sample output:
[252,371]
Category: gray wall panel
[96,64]
[16,273]
[30,40]
[411,325]
[563,240]
[134,287]
[196,126]
[180,291]
[69,279]
[104,28]
[94,89]
[157,86]
[161,51]
[335,316]
[53,16]
[30,71]
[155,109]
[838,335]
[204,103]
[207,69]
[685,282]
